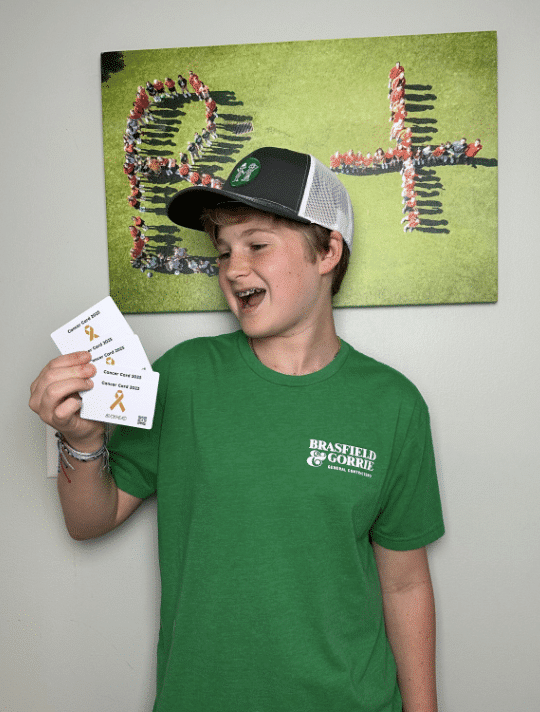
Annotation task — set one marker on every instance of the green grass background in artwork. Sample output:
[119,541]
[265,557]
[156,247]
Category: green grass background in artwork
[319,97]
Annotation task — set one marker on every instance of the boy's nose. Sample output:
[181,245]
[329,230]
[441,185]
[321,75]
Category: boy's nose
[237,266]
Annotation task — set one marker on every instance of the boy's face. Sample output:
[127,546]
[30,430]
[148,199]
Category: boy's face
[268,279]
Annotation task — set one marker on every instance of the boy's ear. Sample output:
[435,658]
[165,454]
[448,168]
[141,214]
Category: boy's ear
[330,259]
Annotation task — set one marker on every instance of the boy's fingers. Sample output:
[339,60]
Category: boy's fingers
[76,359]
[59,404]
[60,391]
[55,386]
[65,412]
[66,419]
[61,370]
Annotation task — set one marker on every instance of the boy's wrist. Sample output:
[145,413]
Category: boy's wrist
[83,449]
[67,454]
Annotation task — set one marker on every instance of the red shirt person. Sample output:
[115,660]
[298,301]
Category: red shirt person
[211,105]
[335,160]
[472,149]
[396,70]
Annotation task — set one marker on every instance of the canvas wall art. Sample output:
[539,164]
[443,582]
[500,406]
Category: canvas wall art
[409,124]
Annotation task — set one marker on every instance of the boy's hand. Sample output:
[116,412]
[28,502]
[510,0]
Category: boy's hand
[55,398]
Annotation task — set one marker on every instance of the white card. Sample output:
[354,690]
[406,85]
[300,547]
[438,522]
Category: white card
[122,351]
[92,327]
[121,396]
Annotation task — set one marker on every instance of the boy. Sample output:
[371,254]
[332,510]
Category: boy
[295,476]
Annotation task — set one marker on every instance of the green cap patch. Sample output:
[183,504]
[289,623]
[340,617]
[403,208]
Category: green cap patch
[246,172]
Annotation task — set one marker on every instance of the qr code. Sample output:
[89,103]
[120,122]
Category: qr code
[141,420]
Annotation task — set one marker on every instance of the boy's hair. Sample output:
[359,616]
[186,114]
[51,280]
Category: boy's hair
[317,237]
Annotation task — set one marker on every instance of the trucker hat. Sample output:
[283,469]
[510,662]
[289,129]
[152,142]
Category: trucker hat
[282,182]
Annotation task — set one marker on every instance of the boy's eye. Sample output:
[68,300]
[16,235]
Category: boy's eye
[258,246]
[223,256]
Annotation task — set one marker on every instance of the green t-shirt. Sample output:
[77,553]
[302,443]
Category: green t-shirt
[270,488]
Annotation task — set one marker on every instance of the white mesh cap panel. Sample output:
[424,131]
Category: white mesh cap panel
[326,201]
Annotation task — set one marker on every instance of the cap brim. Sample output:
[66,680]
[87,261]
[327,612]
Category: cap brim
[186,207]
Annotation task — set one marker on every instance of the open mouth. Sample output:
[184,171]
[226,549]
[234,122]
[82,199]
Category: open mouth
[250,298]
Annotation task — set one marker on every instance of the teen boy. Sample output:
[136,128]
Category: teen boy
[295,476]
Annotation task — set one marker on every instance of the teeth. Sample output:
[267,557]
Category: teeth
[249,292]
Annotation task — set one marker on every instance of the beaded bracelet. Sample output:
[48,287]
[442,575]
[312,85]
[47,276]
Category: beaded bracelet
[64,448]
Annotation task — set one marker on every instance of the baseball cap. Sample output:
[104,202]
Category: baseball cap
[278,181]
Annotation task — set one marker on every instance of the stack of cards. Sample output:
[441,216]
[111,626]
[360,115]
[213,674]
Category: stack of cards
[125,387]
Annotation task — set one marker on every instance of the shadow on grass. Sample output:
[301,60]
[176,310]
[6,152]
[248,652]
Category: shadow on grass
[170,231]
[234,118]
[164,241]
[150,148]
[152,136]
[432,184]
[220,153]
[487,162]
[238,139]
[419,98]
[419,107]
[424,120]
[423,140]
[433,226]
[163,111]
[225,98]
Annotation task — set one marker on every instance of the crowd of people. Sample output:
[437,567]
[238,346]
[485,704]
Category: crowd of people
[404,157]
[180,262]
[140,169]
[355,163]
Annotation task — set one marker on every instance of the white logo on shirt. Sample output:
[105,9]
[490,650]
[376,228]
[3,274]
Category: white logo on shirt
[316,458]
[347,458]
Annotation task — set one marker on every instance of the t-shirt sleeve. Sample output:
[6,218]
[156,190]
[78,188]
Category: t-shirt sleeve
[410,515]
[134,452]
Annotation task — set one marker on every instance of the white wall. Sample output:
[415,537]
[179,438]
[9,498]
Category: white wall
[78,621]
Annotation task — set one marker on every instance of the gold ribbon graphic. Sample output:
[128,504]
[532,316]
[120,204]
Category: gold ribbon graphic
[110,361]
[91,333]
[118,401]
